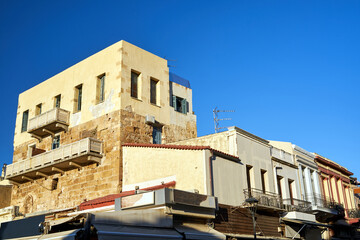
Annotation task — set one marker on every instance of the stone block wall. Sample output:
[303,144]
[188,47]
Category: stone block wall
[92,181]
[75,186]
[5,195]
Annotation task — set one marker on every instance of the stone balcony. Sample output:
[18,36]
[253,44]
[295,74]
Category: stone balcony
[49,123]
[66,157]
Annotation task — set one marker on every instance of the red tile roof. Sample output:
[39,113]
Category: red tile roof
[110,199]
[181,147]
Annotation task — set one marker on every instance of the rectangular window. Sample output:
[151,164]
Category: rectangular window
[78,98]
[248,178]
[157,135]
[100,88]
[38,109]
[153,90]
[279,178]
[180,104]
[57,101]
[56,142]
[263,183]
[25,119]
[134,84]
[291,191]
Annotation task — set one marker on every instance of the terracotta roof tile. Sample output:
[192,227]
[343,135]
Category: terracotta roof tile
[110,199]
[180,147]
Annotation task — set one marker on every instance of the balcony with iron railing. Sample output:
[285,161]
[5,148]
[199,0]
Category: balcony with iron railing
[267,200]
[59,160]
[293,204]
[325,208]
[49,123]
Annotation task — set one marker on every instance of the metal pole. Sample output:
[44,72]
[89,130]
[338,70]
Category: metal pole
[254,223]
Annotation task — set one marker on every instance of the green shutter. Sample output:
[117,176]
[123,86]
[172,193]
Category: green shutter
[183,106]
[174,101]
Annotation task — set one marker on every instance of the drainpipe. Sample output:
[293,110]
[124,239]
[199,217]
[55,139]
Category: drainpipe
[211,172]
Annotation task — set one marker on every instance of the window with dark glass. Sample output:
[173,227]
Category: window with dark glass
[248,177]
[153,90]
[291,191]
[25,119]
[157,135]
[78,98]
[279,178]
[57,101]
[134,84]
[56,142]
[263,179]
[180,104]
[100,89]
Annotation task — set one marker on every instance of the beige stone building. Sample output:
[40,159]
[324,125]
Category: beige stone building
[69,128]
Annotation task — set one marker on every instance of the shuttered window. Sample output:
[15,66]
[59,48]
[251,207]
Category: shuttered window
[153,91]
[157,135]
[180,104]
[25,119]
[57,101]
[134,84]
[100,88]
[78,98]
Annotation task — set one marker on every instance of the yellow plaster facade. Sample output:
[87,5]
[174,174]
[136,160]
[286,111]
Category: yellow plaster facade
[119,118]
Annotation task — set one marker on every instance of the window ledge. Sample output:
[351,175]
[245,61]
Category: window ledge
[155,105]
[138,99]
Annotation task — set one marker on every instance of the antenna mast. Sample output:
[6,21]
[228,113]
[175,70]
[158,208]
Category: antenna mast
[217,120]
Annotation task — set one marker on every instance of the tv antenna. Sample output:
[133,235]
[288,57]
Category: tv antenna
[217,119]
[170,60]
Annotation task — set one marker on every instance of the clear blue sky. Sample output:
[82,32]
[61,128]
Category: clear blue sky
[290,69]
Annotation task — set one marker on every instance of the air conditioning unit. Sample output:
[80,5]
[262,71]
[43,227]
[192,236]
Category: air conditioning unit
[149,119]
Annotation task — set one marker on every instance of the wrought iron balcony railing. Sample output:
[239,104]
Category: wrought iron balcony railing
[267,199]
[322,201]
[293,204]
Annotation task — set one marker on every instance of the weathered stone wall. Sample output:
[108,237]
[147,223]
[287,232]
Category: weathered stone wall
[5,195]
[74,186]
[92,181]
[135,130]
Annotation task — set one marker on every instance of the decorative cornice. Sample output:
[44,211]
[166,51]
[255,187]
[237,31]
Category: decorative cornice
[334,165]
[284,162]
[303,151]
[250,135]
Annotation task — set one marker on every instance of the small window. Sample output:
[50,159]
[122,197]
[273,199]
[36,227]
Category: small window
[25,119]
[78,98]
[157,135]
[56,142]
[279,180]
[57,101]
[100,88]
[54,183]
[153,91]
[180,104]
[248,178]
[38,109]
[291,183]
[263,180]
[134,84]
